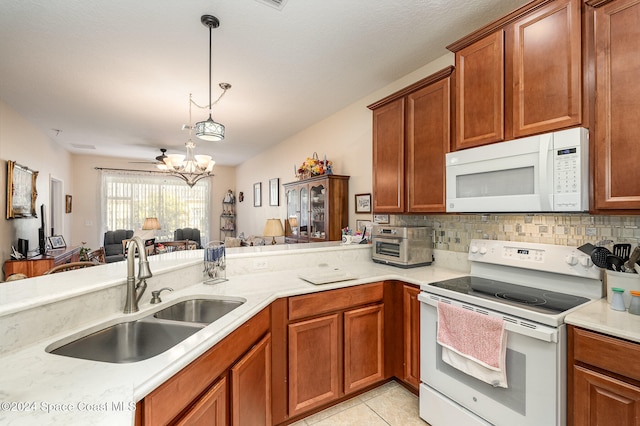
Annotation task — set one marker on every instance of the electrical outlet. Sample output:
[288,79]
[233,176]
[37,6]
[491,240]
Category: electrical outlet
[260,264]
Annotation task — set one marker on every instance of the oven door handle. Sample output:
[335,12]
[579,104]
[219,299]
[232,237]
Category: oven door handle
[388,240]
[512,324]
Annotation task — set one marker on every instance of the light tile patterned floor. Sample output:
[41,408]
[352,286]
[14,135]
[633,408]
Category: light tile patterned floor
[388,405]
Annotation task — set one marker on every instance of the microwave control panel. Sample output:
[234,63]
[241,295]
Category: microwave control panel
[566,164]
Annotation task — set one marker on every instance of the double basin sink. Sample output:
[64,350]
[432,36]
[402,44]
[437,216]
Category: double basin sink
[149,336]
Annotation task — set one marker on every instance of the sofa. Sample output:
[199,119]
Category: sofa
[191,234]
[113,249]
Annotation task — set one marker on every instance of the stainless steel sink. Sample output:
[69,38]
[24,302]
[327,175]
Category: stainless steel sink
[203,311]
[128,341]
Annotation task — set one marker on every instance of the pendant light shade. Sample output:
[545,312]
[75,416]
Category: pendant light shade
[210,130]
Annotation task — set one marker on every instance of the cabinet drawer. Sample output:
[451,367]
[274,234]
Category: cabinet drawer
[333,300]
[607,352]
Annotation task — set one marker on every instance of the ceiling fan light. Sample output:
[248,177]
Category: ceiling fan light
[209,130]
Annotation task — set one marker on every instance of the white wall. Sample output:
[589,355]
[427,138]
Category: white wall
[86,196]
[28,146]
[346,139]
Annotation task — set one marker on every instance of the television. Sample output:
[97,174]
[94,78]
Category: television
[42,232]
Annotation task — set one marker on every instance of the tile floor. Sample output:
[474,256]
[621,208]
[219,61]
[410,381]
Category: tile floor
[387,405]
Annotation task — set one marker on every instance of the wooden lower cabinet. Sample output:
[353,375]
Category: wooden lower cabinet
[603,381]
[199,393]
[411,334]
[334,354]
[363,347]
[313,363]
[210,410]
[251,386]
[602,400]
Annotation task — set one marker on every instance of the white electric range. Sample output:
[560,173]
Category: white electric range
[531,287]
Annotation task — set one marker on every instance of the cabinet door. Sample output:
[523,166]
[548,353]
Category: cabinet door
[210,410]
[411,328]
[305,226]
[388,158]
[363,347]
[601,400]
[480,92]
[428,138]
[547,69]
[319,211]
[251,386]
[292,224]
[313,363]
[617,175]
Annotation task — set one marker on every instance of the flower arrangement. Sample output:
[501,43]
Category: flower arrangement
[312,166]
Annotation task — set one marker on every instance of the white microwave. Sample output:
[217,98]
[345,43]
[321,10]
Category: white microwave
[543,173]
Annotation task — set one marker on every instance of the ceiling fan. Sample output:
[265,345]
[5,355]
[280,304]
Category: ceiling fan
[159,159]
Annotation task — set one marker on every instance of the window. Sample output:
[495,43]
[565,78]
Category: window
[128,198]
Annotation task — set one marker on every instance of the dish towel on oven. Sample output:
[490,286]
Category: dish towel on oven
[473,343]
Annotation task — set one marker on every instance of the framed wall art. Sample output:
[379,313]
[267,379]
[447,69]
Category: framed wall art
[57,241]
[257,194]
[363,203]
[274,192]
[381,218]
[67,203]
[21,191]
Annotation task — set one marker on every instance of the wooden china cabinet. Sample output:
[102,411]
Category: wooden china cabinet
[317,209]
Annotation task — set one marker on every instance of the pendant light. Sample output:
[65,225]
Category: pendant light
[210,130]
[190,168]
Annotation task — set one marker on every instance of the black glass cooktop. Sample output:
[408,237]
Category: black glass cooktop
[544,301]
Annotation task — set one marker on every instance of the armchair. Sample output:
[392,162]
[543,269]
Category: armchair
[113,244]
[191,234]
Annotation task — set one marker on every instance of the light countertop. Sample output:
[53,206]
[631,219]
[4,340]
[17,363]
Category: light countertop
[598,316]
[41,388]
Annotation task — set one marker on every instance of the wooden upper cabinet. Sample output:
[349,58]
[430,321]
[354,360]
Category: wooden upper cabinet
[411,134]
[520,75]
[480,92]
[617,105]
[388,157]
[428,139]
[546,63]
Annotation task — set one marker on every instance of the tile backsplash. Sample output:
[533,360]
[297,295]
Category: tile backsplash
[455,232]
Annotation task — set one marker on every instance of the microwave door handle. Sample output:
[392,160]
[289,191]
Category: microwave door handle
[544,162]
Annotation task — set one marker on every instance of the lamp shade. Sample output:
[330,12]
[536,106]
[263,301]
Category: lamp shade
[293,221]
[151,223]
[273,228]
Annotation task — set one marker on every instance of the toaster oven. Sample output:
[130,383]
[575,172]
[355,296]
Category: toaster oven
[403,246]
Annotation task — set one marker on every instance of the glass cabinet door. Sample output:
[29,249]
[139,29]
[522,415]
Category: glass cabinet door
[318,211]
[293,213]
[304,229]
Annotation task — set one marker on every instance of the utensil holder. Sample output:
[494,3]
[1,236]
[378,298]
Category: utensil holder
[215,263]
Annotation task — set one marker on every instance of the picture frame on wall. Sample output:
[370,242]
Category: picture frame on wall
[57,241]
[274,192]
[362,225]
[21,191]
[363,203]
[67,203]
[381,218]
[257,194]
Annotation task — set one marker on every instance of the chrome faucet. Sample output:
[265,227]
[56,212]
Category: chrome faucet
[135,291]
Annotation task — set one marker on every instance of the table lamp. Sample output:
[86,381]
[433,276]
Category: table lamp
[273,228]
[151,223]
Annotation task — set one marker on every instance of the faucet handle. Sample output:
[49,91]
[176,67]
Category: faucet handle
[155,295]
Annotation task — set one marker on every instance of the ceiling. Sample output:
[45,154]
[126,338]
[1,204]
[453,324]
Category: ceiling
[114,77]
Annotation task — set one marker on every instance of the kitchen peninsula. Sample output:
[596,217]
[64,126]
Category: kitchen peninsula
[42,388]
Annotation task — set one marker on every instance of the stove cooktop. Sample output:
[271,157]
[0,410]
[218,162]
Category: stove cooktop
[533,299]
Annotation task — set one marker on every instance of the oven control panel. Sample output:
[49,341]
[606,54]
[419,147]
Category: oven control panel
[544,257]
[523,254]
